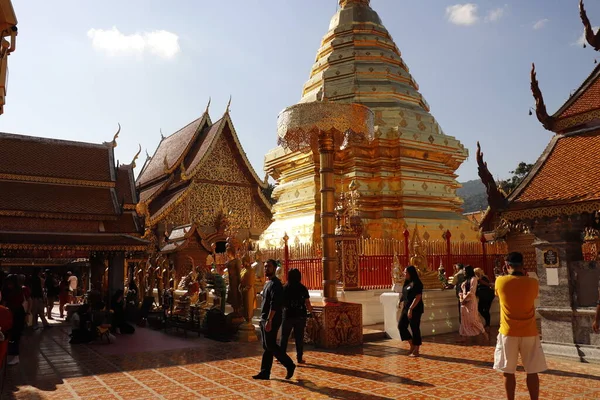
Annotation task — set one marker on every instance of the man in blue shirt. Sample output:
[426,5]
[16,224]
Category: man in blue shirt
[271,317]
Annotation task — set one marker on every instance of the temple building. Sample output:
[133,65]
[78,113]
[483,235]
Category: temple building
[199,188]
[554,214]
[63,201]
[405,176]
[8,43]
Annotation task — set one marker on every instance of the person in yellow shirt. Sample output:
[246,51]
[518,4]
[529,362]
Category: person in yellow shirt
[518,333]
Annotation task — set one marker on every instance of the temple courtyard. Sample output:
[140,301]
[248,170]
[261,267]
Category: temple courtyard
[154,365]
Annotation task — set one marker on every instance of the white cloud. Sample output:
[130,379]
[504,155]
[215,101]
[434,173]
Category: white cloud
[495,14]
[462,14]
[581,41]
[540,24]
[160,43]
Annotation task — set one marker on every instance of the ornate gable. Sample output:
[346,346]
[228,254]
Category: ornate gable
[221,165]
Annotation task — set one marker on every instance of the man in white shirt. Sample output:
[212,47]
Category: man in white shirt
[72,281]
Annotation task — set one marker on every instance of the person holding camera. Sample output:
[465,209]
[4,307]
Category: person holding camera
[296,308]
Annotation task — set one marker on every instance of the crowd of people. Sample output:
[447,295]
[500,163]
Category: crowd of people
[31,299]
[518,333]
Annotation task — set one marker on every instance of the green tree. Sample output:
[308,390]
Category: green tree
[510,184]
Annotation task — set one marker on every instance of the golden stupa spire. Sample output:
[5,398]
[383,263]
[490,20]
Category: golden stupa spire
[344,3]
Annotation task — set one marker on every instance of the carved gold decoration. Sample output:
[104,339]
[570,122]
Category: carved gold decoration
[220,166]
[564,124]
[299,125]
[555,211]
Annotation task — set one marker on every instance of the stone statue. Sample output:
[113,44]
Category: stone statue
[234,266]
[247,281]
[397,275]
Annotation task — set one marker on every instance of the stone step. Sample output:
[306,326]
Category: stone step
[373,333]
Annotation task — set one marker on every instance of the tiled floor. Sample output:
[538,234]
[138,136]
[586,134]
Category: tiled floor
[150,365]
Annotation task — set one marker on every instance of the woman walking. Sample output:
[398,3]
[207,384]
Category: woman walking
[412,310]
[485,296]
[13,299]
[470,324]
[296,306]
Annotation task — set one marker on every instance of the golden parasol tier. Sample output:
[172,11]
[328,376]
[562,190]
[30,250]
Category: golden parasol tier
[322,127]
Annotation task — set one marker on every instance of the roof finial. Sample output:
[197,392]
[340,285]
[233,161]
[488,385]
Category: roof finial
[592,38]
[540,107]
[162,137]
[114,141]
[228,105]
[207,106]
[147,155]
[496,200]
[136,157]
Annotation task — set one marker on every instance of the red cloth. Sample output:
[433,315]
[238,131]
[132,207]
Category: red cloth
[6,322]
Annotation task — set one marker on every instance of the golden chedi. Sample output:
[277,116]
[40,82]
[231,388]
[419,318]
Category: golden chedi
[406,174]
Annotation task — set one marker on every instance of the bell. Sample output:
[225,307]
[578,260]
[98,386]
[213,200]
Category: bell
[530,113]
[584,45]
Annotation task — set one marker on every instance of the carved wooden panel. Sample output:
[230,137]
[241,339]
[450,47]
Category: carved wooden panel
[222,165]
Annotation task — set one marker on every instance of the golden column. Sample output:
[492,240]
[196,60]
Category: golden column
[320,128]
[326,154]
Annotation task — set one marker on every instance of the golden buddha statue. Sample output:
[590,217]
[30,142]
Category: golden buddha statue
[419,260]
[247,280]
[259,272]
[234,266]
[397,275]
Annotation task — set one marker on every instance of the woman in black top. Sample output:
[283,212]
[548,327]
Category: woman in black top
[412,310]
[296,305]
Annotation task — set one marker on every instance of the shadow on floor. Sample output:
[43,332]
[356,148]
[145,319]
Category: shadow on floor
[333,393]
[370,375]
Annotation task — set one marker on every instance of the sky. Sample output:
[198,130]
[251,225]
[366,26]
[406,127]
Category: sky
[81,67]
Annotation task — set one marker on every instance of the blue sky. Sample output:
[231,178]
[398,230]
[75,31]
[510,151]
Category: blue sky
[74,77]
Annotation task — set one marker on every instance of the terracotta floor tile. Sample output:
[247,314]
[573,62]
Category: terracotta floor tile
[193,368]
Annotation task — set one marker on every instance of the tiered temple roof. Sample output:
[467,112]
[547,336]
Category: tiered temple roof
[566,177]
[65,195]
[205,154]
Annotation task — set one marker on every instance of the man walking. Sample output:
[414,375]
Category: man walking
[518,332]
[271,317]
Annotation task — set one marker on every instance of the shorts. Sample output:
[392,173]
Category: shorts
[507,353]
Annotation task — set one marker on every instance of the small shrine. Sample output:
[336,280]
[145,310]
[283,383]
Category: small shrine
[196,190]
[551,215]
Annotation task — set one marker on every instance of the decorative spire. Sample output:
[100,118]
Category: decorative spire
[592,38]
[113,144]
[207,106]
[496,200]
[346,3]
[136,157]
[540,107]
[228,105]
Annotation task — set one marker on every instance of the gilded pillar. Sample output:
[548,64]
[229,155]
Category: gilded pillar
[326,151]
